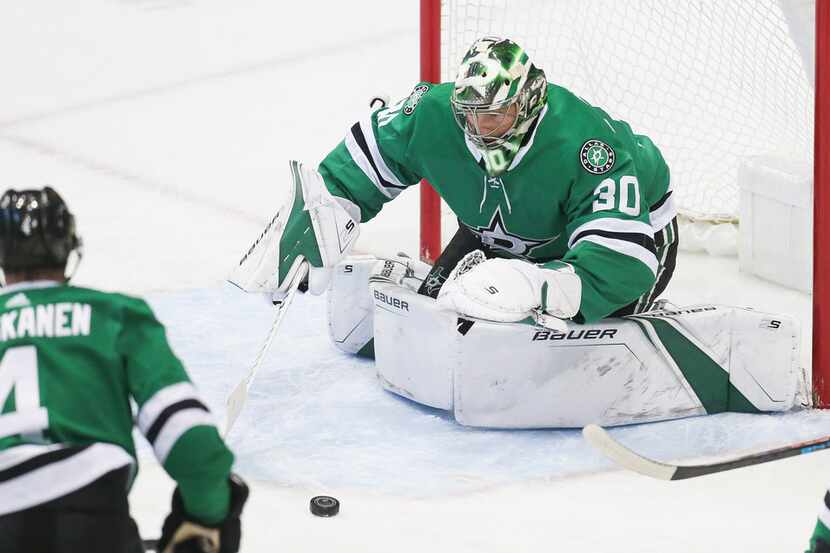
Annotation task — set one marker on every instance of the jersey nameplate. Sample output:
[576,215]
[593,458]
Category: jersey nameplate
[46,321]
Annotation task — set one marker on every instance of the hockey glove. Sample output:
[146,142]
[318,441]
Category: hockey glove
[184,534]
[510,290]
[312,225]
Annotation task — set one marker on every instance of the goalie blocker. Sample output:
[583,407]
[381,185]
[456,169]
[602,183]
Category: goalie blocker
[655,366]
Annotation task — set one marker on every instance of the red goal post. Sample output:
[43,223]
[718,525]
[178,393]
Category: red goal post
[702,194]
[430,72]
[821,204]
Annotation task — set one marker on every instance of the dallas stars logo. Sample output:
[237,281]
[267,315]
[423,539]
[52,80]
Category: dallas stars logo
[496,235]
[597,157]
[412,102]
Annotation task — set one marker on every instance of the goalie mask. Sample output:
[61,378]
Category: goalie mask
[498,95]
[37,231]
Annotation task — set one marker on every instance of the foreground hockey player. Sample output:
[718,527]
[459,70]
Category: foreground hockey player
[820,541]
[575,207]
[71,361]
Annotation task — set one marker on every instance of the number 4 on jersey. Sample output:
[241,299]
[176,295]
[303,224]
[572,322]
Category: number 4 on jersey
[18,374]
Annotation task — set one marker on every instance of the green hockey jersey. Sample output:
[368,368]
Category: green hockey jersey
[583,188]
[71,362]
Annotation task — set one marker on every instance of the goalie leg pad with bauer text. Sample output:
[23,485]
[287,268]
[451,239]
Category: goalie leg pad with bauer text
[350,301]
[655,366]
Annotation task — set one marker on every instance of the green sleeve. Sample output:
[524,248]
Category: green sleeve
[610,280]
[820,532]
[370,166]
[610,240]
[172,415]
[201,464]
[149,361]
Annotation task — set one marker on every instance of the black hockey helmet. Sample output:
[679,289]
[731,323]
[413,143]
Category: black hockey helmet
[37,231]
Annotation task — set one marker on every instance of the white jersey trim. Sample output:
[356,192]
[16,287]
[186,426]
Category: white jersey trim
[363,162]
[21,453]
[28,285]
[624,247]
[663,215]
[59,478]
[163,399]
[473,149]
[612,225]
[176,425]
[526,148]
[385,172]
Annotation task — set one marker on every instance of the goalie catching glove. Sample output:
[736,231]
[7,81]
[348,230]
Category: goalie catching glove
[312,225]
[183,534]
[511,290]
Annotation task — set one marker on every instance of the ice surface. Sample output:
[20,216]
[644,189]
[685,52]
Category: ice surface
[316,417]
[167,125]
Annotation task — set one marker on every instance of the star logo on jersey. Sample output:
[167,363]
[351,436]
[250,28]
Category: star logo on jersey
[597,157]
[497,236]
[434,282]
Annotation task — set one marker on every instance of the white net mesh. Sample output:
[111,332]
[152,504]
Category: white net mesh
[709,81]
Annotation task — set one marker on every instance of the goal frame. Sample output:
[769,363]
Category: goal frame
[821,203]
[430,210]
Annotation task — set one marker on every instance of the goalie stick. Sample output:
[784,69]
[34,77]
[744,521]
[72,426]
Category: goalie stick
[626,458]
[237,398]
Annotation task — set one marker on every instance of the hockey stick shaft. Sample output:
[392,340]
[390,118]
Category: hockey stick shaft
[237,398]
[631,460]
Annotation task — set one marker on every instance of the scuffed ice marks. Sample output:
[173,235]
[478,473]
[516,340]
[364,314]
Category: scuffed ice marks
[319,418]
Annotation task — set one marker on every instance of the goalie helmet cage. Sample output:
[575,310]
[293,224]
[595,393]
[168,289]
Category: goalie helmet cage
[712,82]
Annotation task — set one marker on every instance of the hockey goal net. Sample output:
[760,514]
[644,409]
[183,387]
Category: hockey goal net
[712,82]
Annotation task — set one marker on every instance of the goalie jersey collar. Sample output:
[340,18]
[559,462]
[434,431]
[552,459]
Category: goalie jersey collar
[28,285]
[527,144]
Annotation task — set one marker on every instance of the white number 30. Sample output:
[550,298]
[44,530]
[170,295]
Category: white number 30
[629,197]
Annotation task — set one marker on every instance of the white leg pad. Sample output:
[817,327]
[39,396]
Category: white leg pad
[656,366]
[351,303]
[350,306]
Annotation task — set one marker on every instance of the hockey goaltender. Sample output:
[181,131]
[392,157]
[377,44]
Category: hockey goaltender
[567,237]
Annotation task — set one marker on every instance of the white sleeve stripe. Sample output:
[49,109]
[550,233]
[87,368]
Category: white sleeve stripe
[363,162]
[385,172]
[176,425]
[626,248]
[20,453]
[612,225]
[663,215]
[59,478]
[163,399]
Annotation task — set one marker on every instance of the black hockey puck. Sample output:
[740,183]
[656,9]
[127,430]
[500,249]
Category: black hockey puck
[324,506]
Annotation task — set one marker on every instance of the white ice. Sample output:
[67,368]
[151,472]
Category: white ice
[168,124]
